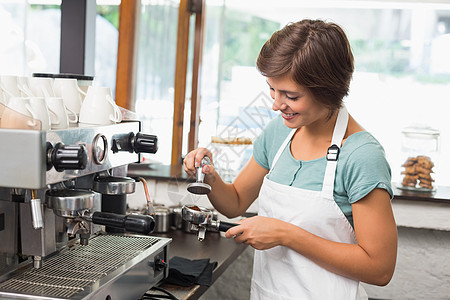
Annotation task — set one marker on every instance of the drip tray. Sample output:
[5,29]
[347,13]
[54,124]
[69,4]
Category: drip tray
[82,269]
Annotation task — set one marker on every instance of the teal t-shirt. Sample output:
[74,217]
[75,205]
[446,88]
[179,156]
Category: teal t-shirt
[361,166]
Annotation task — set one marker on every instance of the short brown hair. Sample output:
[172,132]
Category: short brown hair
[315,54]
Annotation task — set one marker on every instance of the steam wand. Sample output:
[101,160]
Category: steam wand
[37,221]
[150,205]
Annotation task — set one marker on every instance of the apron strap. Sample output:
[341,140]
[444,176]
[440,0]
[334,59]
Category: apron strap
[281,149]
[333,153]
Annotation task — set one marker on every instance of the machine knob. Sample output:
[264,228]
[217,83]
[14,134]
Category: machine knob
[145,143]
[67,157]
[160,264]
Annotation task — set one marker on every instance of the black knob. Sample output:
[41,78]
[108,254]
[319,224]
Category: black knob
[67,157]
[160,264]
[145,143]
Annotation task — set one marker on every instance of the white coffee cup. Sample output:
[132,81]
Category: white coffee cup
[99,107]
[84,84]
[19,114]
[22,85]
[68,89]
[3,98]
[21,105]
[9,86]
[41,87]
[60,118]
[41,112]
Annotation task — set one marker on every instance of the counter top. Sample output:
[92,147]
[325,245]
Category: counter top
[412,209]
[167,172]
[441,194]
[158,171]
[215,247]
[421,214]
[422,210]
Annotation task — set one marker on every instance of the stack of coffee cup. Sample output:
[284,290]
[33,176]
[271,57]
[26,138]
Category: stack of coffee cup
[57,102]
[41,99]
[22,111]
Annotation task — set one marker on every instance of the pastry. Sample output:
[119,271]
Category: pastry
[417,171]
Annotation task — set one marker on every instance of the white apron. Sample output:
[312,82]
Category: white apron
[281,273]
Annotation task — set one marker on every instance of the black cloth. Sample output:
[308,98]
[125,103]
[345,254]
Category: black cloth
[186,272]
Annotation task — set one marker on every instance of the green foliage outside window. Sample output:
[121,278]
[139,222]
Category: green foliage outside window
[110,13]
[243,38]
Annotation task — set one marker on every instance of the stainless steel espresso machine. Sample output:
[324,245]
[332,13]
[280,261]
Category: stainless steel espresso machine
[64,231]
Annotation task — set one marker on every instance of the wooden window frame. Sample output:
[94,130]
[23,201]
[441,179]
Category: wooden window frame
[186,9]
[127,53]
[126,68]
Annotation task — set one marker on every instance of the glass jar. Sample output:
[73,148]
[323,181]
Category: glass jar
[420,151]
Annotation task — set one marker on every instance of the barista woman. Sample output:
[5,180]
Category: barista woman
[322,182]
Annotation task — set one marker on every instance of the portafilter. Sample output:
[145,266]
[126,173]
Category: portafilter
[202,218]
[76,206]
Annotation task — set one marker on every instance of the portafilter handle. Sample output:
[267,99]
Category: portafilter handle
[134,223]
[224,226]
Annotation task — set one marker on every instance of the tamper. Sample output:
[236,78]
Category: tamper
[199,187]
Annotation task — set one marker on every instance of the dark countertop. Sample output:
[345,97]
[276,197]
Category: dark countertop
[218,249]
[159,171]
[441,194]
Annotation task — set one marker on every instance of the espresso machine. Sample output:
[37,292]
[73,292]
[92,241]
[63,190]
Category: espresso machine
[64,229]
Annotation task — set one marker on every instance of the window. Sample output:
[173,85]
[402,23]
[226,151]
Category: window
[106,42]
[30,33]
[157,42]
[402,71]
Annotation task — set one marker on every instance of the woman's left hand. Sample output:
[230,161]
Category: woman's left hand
[259,232]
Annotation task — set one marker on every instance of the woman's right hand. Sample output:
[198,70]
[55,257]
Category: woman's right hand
[193,160]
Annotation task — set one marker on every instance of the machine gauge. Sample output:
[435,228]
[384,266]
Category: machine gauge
[99,149]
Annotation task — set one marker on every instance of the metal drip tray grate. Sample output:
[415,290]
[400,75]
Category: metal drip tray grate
[77,267]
